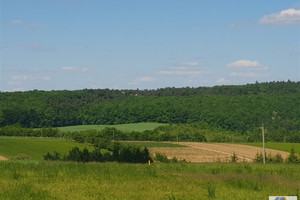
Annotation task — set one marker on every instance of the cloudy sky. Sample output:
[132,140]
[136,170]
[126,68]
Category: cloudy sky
[76,44]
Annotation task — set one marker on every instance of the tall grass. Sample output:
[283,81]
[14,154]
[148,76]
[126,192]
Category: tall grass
[66,180]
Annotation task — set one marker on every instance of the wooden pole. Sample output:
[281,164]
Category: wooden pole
[263,139]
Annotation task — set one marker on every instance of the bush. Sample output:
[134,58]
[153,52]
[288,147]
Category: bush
[293,157]
[159,157]
[269,158]
[258,158]
[55,156]
[234,158]
[120,154]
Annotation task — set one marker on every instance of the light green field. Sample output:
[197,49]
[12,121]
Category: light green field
[123,127]
[67,180]
[150,144]
[36,148]
[278,146]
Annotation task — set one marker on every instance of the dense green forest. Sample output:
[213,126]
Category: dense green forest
[231,108]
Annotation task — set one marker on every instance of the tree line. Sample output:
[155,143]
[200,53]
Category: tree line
[200,132]
[230,108]
[117,153]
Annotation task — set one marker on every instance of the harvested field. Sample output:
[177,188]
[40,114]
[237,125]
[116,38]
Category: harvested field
[213,152]
[3,158]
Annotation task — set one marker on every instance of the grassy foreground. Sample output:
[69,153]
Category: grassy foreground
[63,180]
[36,148]
[123,127]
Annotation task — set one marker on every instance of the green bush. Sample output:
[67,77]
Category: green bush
[293,157]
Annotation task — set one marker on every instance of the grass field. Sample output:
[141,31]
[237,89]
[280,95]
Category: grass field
[66,180]
[151,144]
[122,127]
[35,147]
[279,146]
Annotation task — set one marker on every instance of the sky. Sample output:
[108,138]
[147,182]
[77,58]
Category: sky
[117,44]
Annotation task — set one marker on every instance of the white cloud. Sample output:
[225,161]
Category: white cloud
[15,21]
[14,82]
[19,78]
[46,78]
[222,81]
[84,69]
[74,69]
[287,17]
[181,72]
[142,80]
[25,24]
[69,69]
[247,65]
[191,64]
[184,69]
[145,79]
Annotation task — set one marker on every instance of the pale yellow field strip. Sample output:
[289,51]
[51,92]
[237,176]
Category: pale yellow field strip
[3,158]
[214,152]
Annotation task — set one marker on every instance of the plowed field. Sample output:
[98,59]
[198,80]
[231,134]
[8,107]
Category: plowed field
[213,152]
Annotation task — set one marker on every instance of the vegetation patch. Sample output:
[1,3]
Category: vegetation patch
[123,127]
[35,148]
[151,144]
[279,146]
[72,180]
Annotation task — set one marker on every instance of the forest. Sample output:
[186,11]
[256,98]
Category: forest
[238,109]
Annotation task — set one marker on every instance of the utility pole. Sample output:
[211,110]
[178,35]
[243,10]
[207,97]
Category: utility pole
[263,139]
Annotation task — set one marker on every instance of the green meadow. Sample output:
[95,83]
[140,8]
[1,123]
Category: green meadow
[123,127]
[279,146]
[67,180]
[35,148]
[150,144]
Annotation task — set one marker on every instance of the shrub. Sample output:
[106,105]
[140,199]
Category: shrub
[234,158]
[120,154]
[293,157]
[55,156]
[161,158]
[277,159]
[269,158]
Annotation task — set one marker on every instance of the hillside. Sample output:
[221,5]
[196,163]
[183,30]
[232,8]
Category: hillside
[234,108]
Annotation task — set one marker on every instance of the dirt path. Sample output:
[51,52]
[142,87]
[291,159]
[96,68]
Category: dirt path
[3,158]
[213,152]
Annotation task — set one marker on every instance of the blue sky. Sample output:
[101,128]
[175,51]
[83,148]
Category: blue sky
[77,44]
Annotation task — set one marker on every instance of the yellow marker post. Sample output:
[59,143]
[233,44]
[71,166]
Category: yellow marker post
[149,162]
